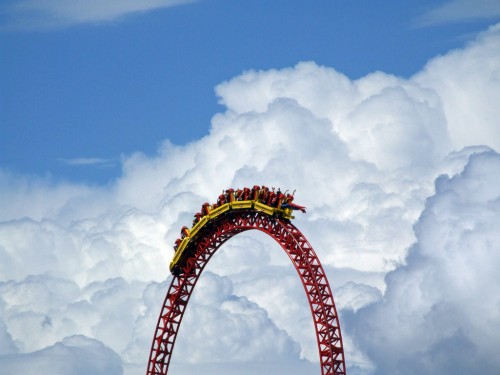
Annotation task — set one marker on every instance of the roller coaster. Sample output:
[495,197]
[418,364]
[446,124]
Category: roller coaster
[237,211]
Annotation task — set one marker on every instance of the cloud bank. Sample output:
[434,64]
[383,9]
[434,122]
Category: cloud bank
[400,177]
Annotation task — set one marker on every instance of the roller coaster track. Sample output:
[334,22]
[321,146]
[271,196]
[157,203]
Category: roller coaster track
[300,252]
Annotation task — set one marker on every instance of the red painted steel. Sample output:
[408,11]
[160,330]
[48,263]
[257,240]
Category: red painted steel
[303,257]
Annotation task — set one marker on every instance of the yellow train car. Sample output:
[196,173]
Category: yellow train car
[189,234]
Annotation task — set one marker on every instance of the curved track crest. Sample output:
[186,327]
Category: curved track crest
[303,257]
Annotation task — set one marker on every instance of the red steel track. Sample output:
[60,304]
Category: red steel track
[303,257]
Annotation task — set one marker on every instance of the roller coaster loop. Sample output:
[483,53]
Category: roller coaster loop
[207,241]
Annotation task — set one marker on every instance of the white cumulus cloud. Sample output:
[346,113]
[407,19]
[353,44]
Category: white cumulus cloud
[76,355]
[440,312]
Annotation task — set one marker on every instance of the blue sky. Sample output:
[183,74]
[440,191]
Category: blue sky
[76,95]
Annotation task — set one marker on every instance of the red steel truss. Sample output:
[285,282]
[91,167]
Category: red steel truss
[301,254]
